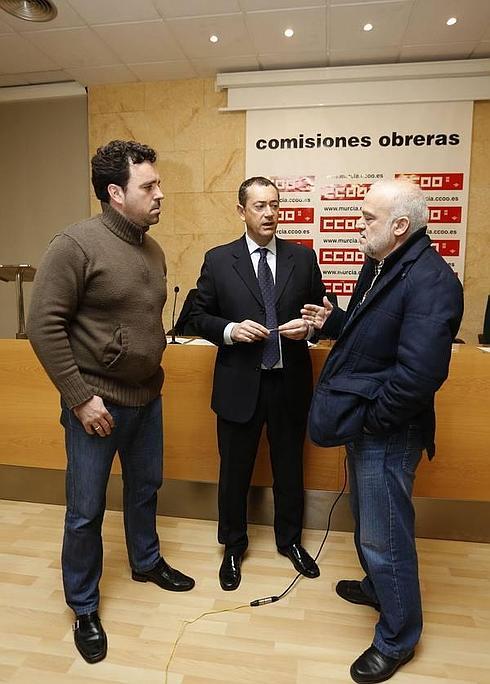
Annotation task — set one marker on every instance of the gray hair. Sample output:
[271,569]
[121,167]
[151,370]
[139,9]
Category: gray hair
[407,200]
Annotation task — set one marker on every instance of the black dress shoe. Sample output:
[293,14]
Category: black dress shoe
[166,577]
[373,666]
[90,638]
[301,560]
[351,590]
[229,572]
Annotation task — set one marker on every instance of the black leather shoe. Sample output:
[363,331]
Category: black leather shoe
[229,572]
[301,560]
[373,666]
[166,577]
[90,638]
[351,590]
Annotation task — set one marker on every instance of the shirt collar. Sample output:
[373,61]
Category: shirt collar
[253,246]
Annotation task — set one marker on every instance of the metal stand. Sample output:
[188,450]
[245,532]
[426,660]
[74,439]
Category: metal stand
[22,273]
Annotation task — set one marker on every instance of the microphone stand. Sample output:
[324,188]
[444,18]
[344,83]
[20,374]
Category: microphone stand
[173,340]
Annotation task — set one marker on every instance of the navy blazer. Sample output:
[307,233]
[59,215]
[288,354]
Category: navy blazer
[392,352]
[228,290]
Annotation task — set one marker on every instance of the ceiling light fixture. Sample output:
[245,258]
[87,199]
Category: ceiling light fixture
[30,10]
[451,21]
[289,33]
[214,38]
[368,27]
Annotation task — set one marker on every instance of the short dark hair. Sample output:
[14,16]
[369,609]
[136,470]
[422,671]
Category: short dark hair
[255,180]
[110,164]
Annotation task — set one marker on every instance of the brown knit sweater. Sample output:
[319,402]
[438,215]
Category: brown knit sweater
[95,320]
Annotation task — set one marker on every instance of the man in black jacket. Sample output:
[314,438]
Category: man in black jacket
[250,294]
[376,396]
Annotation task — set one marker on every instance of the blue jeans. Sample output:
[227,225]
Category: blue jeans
[138,438]
[381,476]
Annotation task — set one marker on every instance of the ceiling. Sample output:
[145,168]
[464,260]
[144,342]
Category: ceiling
[117,41]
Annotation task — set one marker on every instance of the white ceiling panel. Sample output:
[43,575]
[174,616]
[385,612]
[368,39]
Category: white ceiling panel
[170,9]
[209,66]
[428,21]
[389,20]
[267,30]
[56,76]
[377,56]
[482,49]
[73,47]
[163,71]
[13,80]
[89,76]
[5,28]
[110,11]
[335,3]
[167,39]
[299,60]
[17,55]
[254,5]
[429,53]
[155,43]
[193,35]
[66,18]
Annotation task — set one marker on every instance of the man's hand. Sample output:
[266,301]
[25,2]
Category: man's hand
[297,329]
[317,315]
[248,331]
[94,417]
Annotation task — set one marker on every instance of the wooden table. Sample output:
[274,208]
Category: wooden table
[30,434]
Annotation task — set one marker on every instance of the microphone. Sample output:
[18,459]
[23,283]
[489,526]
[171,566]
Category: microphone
[176,292]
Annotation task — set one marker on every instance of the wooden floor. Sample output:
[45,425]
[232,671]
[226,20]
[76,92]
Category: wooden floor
[309,638]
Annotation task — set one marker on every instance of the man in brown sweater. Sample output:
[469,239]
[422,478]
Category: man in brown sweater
[95,323]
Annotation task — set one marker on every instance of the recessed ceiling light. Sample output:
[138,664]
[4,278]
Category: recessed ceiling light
[368,27]
[30,10]
[451,21]
[213,38]
[289,33]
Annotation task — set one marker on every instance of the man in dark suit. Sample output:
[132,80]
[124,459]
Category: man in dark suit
[250,294]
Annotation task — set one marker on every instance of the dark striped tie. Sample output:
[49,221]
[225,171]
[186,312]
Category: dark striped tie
[270,354]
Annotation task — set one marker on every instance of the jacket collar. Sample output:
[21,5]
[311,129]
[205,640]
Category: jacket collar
[398,263]
[120,226]
[408,246]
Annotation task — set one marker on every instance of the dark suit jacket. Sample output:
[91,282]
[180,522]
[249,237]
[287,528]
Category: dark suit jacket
[392,353]
[228,290]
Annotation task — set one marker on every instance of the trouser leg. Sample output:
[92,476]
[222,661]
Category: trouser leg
[286,435]
[89,460]
[238,443]
[141,454]
[366,584]
[385,470]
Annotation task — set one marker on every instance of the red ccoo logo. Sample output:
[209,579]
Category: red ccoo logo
[444,214]
[447,248]
[435,181]
[340,287]
[296,215]
[347,192]
[334,224]
[351,257]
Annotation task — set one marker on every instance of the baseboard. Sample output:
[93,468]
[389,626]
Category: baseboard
[436,518]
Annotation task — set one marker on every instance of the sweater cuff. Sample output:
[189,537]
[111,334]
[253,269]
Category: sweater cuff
[74,390]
